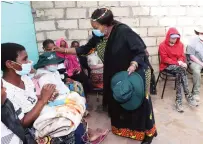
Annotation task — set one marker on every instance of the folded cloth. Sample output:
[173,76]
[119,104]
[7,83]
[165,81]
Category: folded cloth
[56,121]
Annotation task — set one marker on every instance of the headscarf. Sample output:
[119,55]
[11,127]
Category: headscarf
[71,61]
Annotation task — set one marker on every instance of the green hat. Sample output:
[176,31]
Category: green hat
[128,90]
[47,58]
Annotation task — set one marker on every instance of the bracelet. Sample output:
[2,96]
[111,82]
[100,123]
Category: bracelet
[134,63]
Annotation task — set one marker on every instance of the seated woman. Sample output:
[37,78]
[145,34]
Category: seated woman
[21,92]
[171,51]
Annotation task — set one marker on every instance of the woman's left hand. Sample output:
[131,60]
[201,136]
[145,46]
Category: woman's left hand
[131,69]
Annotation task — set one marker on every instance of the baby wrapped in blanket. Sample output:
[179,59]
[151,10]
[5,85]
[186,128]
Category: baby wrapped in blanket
[60,117]
[63,115]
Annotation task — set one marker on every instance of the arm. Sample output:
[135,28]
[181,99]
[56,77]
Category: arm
[82,50]
[164,56]
[196,60]
[182,57]
[136,45]
[31,116]
[191,53]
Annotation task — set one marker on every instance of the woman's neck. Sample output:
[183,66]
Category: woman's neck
[12,78]
[109,29]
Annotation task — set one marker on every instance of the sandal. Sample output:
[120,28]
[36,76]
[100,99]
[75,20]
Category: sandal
[100,138]
[96,139]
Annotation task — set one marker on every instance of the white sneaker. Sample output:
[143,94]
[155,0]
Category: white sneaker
[196,97]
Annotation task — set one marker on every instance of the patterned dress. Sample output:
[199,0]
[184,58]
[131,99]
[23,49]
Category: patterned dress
[126,132]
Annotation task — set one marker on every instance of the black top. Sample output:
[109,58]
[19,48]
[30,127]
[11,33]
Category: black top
[123,46]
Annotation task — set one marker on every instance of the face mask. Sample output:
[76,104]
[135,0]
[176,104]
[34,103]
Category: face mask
[26,68]
[201,37]
[52,68]
[97,32]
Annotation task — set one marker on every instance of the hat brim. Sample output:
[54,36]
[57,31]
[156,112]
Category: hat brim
[175,36]
[138,92]
[50,62]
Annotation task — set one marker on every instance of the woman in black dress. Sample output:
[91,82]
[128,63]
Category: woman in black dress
[121,49]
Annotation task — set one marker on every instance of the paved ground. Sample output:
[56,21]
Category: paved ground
[173,127]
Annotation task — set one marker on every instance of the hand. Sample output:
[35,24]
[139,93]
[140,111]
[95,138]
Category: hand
[184,65]
[54,95]
[131,69]
[58,49]
[47,92]
[180,63]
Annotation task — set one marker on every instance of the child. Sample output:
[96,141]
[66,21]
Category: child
[96,67]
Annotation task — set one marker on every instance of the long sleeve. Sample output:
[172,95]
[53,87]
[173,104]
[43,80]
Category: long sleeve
[85,49]
[136,45]
[182,56]
[164,56]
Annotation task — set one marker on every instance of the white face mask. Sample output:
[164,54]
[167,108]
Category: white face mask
[201,37]
[52,68]
[26,68]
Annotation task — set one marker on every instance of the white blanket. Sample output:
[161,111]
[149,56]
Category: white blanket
[61,120]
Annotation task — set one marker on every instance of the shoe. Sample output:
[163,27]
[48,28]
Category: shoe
[179,106]
[147,140]
[196,97]
[191,101]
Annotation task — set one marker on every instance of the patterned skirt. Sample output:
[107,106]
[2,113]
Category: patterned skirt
[97,79]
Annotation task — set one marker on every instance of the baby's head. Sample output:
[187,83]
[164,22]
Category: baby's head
[48,61]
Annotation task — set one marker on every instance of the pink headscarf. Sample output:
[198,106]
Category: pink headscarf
[71,61]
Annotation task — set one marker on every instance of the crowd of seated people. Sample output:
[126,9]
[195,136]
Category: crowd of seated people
[39,105]
[47,111]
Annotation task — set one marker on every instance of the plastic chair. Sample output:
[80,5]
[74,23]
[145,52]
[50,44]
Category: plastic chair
[165,75]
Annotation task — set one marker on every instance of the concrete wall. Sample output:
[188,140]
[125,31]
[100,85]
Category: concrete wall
[149,18]
[17,26]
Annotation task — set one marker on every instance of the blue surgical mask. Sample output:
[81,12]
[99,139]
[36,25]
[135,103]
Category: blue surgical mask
[97,32]
[26,68]
[52,68]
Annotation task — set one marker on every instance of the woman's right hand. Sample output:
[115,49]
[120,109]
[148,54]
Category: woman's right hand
[58,49]
[47,92]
